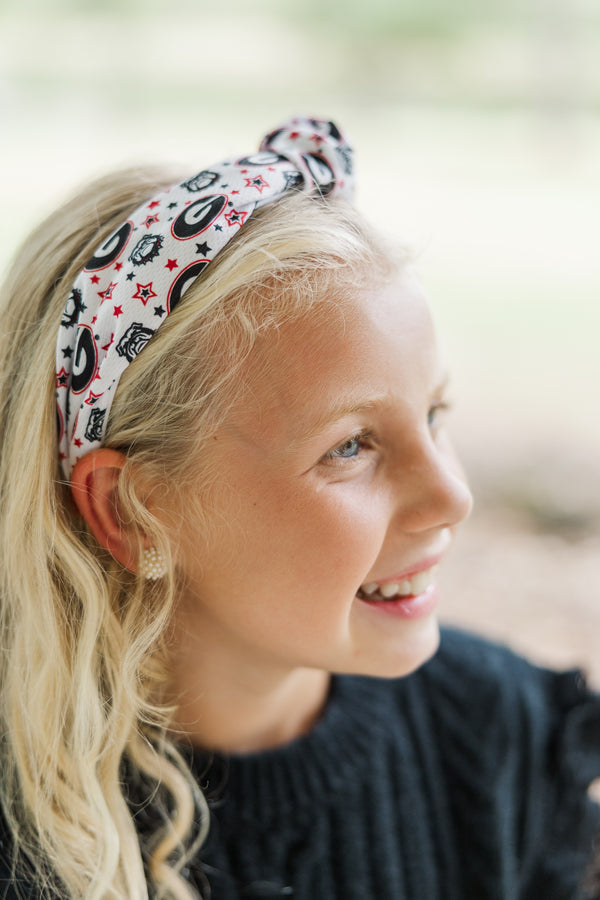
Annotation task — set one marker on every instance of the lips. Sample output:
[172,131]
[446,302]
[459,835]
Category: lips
[393,590]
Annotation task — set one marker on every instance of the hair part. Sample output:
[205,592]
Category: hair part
[84,657]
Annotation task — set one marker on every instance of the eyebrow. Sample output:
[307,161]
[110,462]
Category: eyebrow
[348,407]
[336,413]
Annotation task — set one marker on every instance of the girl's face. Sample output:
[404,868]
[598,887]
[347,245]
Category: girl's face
[334,473]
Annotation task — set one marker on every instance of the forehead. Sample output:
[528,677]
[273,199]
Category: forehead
[374,346]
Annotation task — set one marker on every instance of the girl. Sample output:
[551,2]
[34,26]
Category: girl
[225,492]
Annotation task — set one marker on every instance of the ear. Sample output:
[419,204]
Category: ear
[94,489]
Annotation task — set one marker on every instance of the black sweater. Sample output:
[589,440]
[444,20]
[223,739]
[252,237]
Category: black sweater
[464,781]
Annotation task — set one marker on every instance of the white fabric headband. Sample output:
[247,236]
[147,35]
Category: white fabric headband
[141,271]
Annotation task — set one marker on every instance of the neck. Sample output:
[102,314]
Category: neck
[229,704]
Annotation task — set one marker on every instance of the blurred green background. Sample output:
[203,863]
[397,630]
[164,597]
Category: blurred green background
[478,142]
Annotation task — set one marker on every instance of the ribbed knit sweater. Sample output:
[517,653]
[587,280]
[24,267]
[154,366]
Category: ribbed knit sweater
[464,781]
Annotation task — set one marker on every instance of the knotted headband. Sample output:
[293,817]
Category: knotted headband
[141,271]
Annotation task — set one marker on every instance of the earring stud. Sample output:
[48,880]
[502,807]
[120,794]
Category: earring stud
[152,565]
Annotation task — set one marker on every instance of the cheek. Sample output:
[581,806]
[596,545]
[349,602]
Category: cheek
[313,536]
[340,529]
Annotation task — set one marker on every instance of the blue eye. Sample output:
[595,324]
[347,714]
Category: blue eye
[351,449]
[347,450]
[434,414]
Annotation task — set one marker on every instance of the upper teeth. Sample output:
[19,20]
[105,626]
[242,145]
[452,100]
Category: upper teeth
[405,588]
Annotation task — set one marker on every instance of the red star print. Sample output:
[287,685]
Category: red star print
[294,135]
[118,266]
[107,294]
[62,378]
[235,218]
[92,397]
[153,204]
[170,265]
[144,292]
[150,220]
[94,279]
[94,320]
[106,346]
[78,442]
[117,311]
[235,192]
[258,182]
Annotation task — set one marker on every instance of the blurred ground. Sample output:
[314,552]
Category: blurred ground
[478,142]
[538,592]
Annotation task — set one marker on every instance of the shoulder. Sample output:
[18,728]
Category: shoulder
[490,663]
[485,689]
[493,681]
[519,745]
[471,674]
[479,694]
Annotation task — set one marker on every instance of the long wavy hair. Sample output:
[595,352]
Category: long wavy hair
[84,642]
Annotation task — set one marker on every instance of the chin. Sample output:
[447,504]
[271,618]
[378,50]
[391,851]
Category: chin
[415,651]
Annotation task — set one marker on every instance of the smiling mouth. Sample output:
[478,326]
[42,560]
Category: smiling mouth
[396,590]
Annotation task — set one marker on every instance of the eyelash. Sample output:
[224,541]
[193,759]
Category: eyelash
[361,439]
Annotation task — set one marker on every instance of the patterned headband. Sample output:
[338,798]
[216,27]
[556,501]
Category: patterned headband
[141,271]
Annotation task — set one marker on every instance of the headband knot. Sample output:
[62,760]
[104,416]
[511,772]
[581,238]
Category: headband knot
[318,151]
[141,271]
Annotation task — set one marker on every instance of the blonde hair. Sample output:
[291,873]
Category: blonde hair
[84,641]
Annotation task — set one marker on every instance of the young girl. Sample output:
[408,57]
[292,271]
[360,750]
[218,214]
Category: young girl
[225,490]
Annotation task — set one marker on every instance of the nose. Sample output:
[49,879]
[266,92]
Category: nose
[431,489]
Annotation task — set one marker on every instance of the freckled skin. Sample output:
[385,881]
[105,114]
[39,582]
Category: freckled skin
[269,607]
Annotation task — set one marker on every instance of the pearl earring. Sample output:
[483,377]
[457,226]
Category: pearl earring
[152,565]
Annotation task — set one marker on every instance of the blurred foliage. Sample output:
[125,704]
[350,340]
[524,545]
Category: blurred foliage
[384,19]
[502,53]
